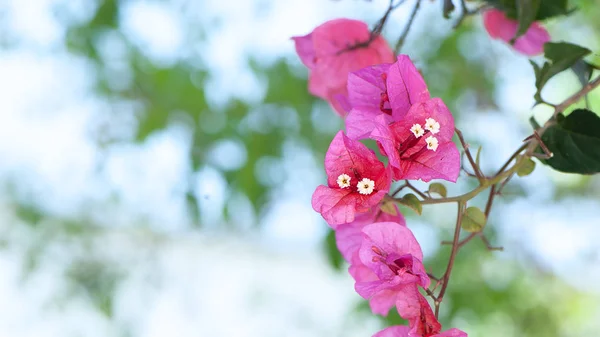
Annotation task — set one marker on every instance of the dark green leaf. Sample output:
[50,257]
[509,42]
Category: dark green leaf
[546,9]
[575,143]
[438,188]
[561,56]
[583,70]
[410,200]
[473,220]
[526,13]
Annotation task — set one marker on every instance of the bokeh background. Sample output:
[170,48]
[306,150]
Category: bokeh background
[157,160]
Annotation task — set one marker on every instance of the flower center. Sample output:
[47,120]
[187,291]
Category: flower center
[343,180]
[399,266]
[365,186]
[413,147]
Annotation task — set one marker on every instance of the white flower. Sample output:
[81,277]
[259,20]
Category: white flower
[366,186]
[343,180]
[432,143]
[417,130]
[432,125]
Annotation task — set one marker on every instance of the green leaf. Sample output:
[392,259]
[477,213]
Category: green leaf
[333,254]
[583,70]
[546,8]
[389,208]
[574,142]
[473,220]
[534,123]
[438,188]
[561,56]
[527,166]
[410,200]
[526,13]
[551,8]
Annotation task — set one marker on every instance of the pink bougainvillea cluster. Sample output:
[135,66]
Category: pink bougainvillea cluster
[385,99]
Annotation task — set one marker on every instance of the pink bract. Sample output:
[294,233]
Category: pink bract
[326,53]
[393,331]
[349,236]
[350,158]
[387,90]
[410,156]
[422,322]
[500,27]
[393,256]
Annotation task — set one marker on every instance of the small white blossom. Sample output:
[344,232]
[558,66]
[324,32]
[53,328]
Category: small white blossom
[432,125]
[432,143]
[343,180]
[417,130]
[366,186]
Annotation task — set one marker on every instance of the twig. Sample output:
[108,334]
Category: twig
[416,190]
[404,34]
[476,169]
[376,31]
[446,277]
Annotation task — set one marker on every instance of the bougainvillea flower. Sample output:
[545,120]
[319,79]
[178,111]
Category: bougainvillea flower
[420,145]
[394,258]
[422,322]
[356,181]
[333,50]
[348,237]
[500,27]
[387,90]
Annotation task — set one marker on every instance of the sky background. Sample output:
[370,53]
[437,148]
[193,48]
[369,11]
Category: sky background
[96,234]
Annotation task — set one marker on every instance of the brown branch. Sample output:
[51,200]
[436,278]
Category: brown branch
[376,31]
[446,277]
[465,146]
[421,194]
[404,34]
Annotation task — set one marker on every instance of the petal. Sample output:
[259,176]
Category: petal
[391,238]
[366,85]
[405,86]
[337,206]
[413,307]
[317,85]
[452,333]
[444,163]
[383,301]
[345,156]
[361,122]
[434,108]
[349,237]
[393,331]
[387,141]
[305,50]
[335,35]
[360,272]
[499,26]
[532,42]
